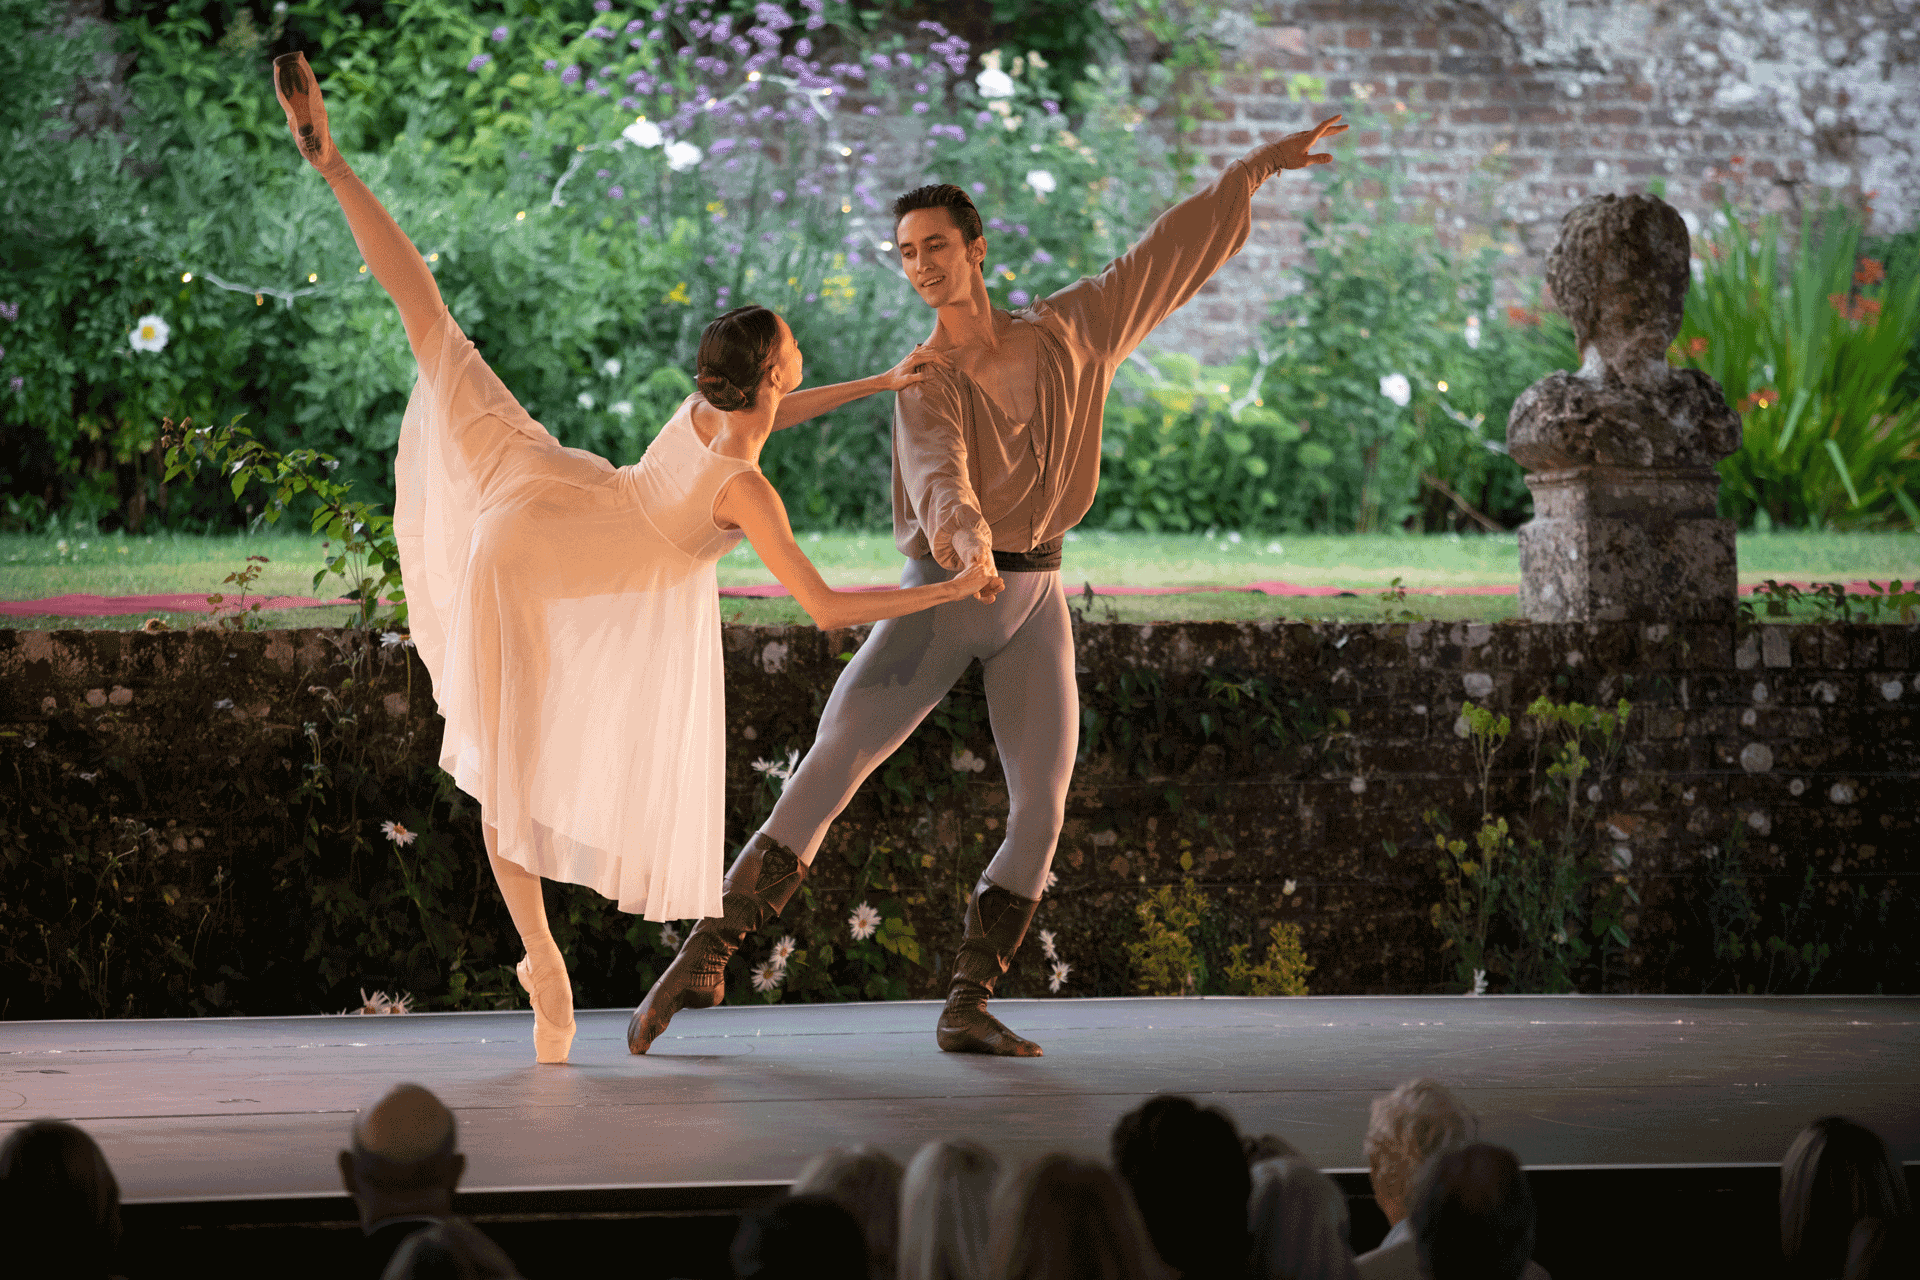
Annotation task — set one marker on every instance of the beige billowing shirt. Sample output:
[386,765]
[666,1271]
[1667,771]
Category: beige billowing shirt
[959,462]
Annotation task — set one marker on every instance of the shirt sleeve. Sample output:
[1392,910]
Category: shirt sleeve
[930,458]
[1113,312]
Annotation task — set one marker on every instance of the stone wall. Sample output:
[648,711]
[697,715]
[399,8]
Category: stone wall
[1535,105]
[1772,767]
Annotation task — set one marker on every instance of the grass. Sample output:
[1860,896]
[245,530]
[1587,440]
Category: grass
[33,566]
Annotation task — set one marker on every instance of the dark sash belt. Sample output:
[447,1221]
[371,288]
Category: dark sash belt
[1042,559]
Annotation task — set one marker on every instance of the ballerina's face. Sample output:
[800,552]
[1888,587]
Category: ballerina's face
[939,263]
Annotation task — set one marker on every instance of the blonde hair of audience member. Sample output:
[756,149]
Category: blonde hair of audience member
[1064,1218]
[451,1247]
[403,1162]
[1299,1223]
[944,1200]
[1407,1128]
[865,1181]
[1835,1175]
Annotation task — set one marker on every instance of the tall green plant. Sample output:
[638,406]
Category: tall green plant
[1810,343]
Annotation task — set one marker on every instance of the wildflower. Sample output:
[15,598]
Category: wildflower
[398,834]
[1479,983]
[1059,975]
[1396,388]
[1019,297]
[1286,890]
[994,83]
[389,639]
[669,936]
[586,399]
[381,1002]
[1046,944]
[571,74]
[11,310]
[616,192]
[766,977]
[150,334]
[601,6]
[551,64]
[1871,272]
[1473,333]
[479,60]
[499,35]
[1042,182]
[1042,257]
[1696,347]
[1522,316]
[1053,878]
[622,407]
[783,950]
[682,156]
[643,133]
[611,366]
[863,922]
[964,761]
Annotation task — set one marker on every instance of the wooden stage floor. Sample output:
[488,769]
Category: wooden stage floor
[250,1107]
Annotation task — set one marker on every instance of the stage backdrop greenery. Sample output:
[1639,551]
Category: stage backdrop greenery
[592,181]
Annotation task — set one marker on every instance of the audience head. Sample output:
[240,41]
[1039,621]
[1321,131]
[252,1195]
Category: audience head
[57,1193]
[1407,1128]
[403,1159]
[1836,1173]
[451,1249]
[1298,1220]
[1268,1146]
[944,1200]
[1063,1218]
[1473,1215]
[1189,1176]
[864,1181]
[803,1237]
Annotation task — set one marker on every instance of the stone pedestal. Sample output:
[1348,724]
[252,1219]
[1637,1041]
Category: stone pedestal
[1620,544]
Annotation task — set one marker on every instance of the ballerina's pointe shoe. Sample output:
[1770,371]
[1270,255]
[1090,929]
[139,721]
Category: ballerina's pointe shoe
[551,995]
[299,93]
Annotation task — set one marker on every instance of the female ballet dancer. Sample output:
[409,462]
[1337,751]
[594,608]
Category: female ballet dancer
[566,608]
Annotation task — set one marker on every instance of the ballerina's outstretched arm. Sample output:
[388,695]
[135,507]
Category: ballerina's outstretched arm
[395,263]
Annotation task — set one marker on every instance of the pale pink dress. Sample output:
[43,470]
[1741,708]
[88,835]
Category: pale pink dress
[567,612]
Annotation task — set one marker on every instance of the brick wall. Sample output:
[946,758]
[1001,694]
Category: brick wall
[1532,106]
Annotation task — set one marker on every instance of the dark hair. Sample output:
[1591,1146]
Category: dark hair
[1473,1214]
[1189,1176]
[942,195]
[1063,1218]
[1835,1173]
[734,352]
[803,1237]
[57,1193]
[864,1181]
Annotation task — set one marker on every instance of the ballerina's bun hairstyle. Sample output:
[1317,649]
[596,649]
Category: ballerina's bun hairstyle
[942,195]
[734,352]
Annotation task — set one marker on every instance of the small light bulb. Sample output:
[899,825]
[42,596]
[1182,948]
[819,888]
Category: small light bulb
[433,257]
[186,277]
[258,300]
[846,151]
[313,277]
[886,244]
[520,216]
[846,208]
[753,75]
[1441,385]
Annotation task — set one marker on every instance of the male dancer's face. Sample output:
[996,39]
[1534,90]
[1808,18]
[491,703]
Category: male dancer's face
[941,266]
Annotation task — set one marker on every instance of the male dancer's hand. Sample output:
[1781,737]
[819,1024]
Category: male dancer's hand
[974,553]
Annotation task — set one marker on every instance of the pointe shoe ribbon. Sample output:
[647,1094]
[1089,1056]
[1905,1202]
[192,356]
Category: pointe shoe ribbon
[552,1039]
[299,92]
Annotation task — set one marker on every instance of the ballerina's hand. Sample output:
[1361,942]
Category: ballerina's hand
[909,370]
[1296,149]
[978,580]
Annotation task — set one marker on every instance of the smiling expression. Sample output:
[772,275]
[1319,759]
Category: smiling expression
[939,264]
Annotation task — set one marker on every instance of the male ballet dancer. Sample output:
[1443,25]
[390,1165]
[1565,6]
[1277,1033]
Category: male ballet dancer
[994,459]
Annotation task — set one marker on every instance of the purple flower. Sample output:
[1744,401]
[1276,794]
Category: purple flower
[603,173]
[721,146]
[16,383]
[812,297]
[710,259]
[983,117]
[616,192]
[1042,257]
[920,88]
[570,75]
[997,223]
[880,60]
[1019,228]
[550,64]
[741,46]
[656,34]
[1053,108]
[999,270]
[936,28]
[11,310]
[628,104]
[479,60]
[723,293]
[920,108]
[601,6]
[592,85]
[1019,297]
[600,33]
[979,188]
[804,47]
[634,26]
[813,6]
[686,51]
[816,22]
[869,110]
[779,196]
[499,35]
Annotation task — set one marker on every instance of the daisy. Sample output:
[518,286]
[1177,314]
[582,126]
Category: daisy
[863,922]
[1060,971]
[1052,880]
[783,950]
[669,937]
[398,834]
[1286,890]
[150,334]
[1046,945]
[766,977]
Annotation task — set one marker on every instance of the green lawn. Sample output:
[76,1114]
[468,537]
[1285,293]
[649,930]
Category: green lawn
[35,566]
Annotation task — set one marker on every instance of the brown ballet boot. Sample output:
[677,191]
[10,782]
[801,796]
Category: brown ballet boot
[996,921]
[758,885]
[299,92]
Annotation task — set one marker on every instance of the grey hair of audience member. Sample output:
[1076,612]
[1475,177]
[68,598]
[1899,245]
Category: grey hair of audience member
[59,1200]
[944,1200]
[865,1181]
[1298,1218]
[1406,1129]
[450,1249]
[1473,1215]
[1835,1174]
[1064,1218]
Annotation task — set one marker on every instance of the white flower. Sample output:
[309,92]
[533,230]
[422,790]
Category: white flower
[612,366]
[1479,983]
[1473,333]
[398,834]
[1396,388]
[1059,975]
[783,950]
[381,1002]
[388,639]
[1286,890]
[669,936]
[150,334]
[964,761]
[586,399]
[622,407]
[1041,181]
[994,83]
[772,767]
[767,976]
[682,156]
[643,133]
[1052,880]
[1046,945]
[863,922]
